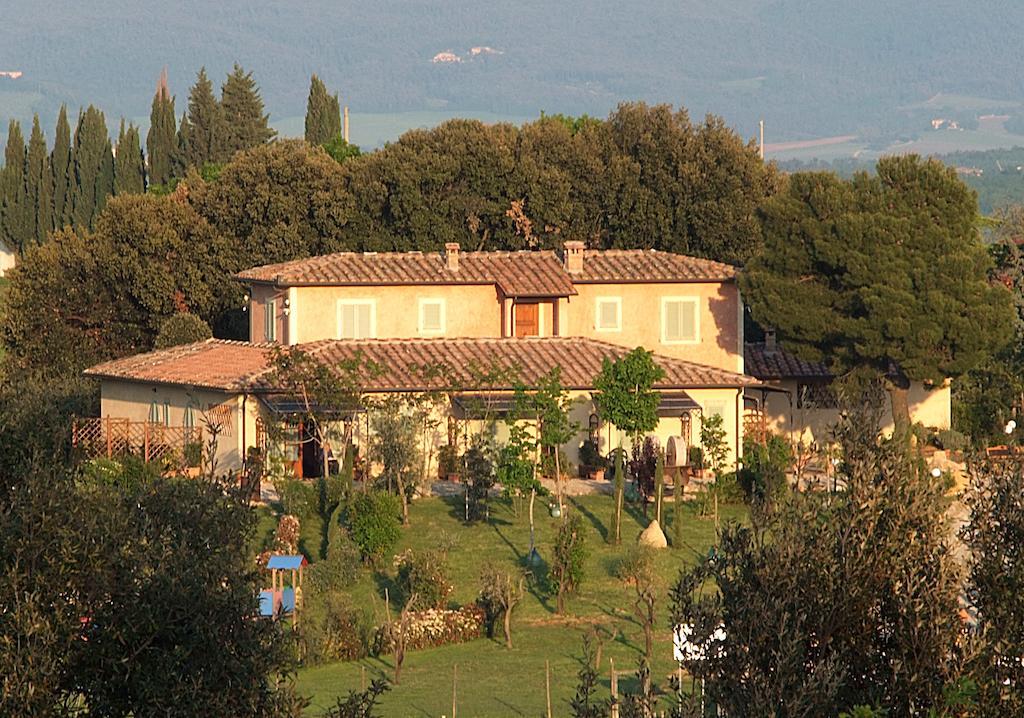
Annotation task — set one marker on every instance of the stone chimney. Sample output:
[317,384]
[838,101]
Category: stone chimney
[769,340]
[451,256]
[572,257]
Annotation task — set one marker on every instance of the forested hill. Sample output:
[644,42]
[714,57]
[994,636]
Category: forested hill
[810,68]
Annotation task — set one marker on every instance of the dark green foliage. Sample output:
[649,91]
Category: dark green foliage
[567,558]
[181,158]
[478,473]
[245,124]
[63,169]
[341,150]
[132,597]
[359,705]
[129,164]
[333,629]
[38,186]
[298,497]
[165,258]
[988,395]
[323,114]
[373,520]
[181,328]
[94,168]
[340,567]
[425,575]
[880,272]
[15,227]
[207,140]
[995,538]
[161,141]
[300,190]
[870,569]
[763,476]
[644,178]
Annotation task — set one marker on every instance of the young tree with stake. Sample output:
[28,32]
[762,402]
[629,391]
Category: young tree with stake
[625,396]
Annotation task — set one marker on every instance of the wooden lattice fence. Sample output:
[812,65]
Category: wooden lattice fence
[109,436]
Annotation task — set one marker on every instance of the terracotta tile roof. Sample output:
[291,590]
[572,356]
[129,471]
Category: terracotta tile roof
[405,363]
[211,364]
[649,265]
[517,274]
[777,363]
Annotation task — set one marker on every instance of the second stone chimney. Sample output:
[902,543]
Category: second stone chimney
[451,256]
[769,340]
[572,257]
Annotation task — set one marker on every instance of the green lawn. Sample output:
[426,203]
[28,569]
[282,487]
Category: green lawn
[492,680]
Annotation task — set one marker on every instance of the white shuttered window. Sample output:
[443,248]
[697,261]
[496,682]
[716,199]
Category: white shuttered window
[680,322]
[357,319]
[432,316]
[608,314]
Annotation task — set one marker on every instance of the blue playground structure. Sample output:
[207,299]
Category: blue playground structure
[283,600]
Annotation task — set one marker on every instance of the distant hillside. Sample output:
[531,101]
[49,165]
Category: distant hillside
[810,68]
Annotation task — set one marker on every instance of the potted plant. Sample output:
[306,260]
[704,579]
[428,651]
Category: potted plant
[592,464]
[448,463]
[193,455]
[695,457]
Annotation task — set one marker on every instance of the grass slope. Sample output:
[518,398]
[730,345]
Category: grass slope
[492,680]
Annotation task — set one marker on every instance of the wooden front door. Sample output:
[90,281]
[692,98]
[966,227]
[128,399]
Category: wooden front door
[527,320]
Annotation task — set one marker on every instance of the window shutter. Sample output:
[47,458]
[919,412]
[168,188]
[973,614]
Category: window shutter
[270,321]
[608,314]
[363,329]
[680,320]
[431,316]
[348,321]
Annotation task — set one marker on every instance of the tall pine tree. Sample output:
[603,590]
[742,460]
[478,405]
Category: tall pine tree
[94,167]
[182,148]
[161,141]
[206,123]
[63,170]
[129,164]
[38,185]
[323,114]
[245,125]
[15,228]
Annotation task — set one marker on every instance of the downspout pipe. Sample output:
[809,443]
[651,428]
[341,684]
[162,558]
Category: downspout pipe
[739,419]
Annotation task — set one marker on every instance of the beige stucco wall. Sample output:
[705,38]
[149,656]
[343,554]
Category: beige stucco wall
[929,407]
[609,438]
[7,260]
[470,310]
[132,400]
[719,342]
[480,311]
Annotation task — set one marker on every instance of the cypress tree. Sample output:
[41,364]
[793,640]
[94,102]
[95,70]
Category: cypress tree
[245,125]
[14,225]
[94,167]
[38,184]
[206,121]
[160,141]
[63,172]
[323,114]
[129,164]
[181,160]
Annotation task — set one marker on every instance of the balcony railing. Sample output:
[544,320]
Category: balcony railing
[110,437]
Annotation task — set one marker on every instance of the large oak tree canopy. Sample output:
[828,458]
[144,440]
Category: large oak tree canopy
[884,274]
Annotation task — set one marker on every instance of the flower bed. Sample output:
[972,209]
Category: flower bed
[435,627]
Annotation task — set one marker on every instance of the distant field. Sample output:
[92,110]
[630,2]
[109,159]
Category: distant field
[938,142]
[369,130]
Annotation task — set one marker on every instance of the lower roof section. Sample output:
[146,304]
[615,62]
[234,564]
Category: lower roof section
[390,365]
